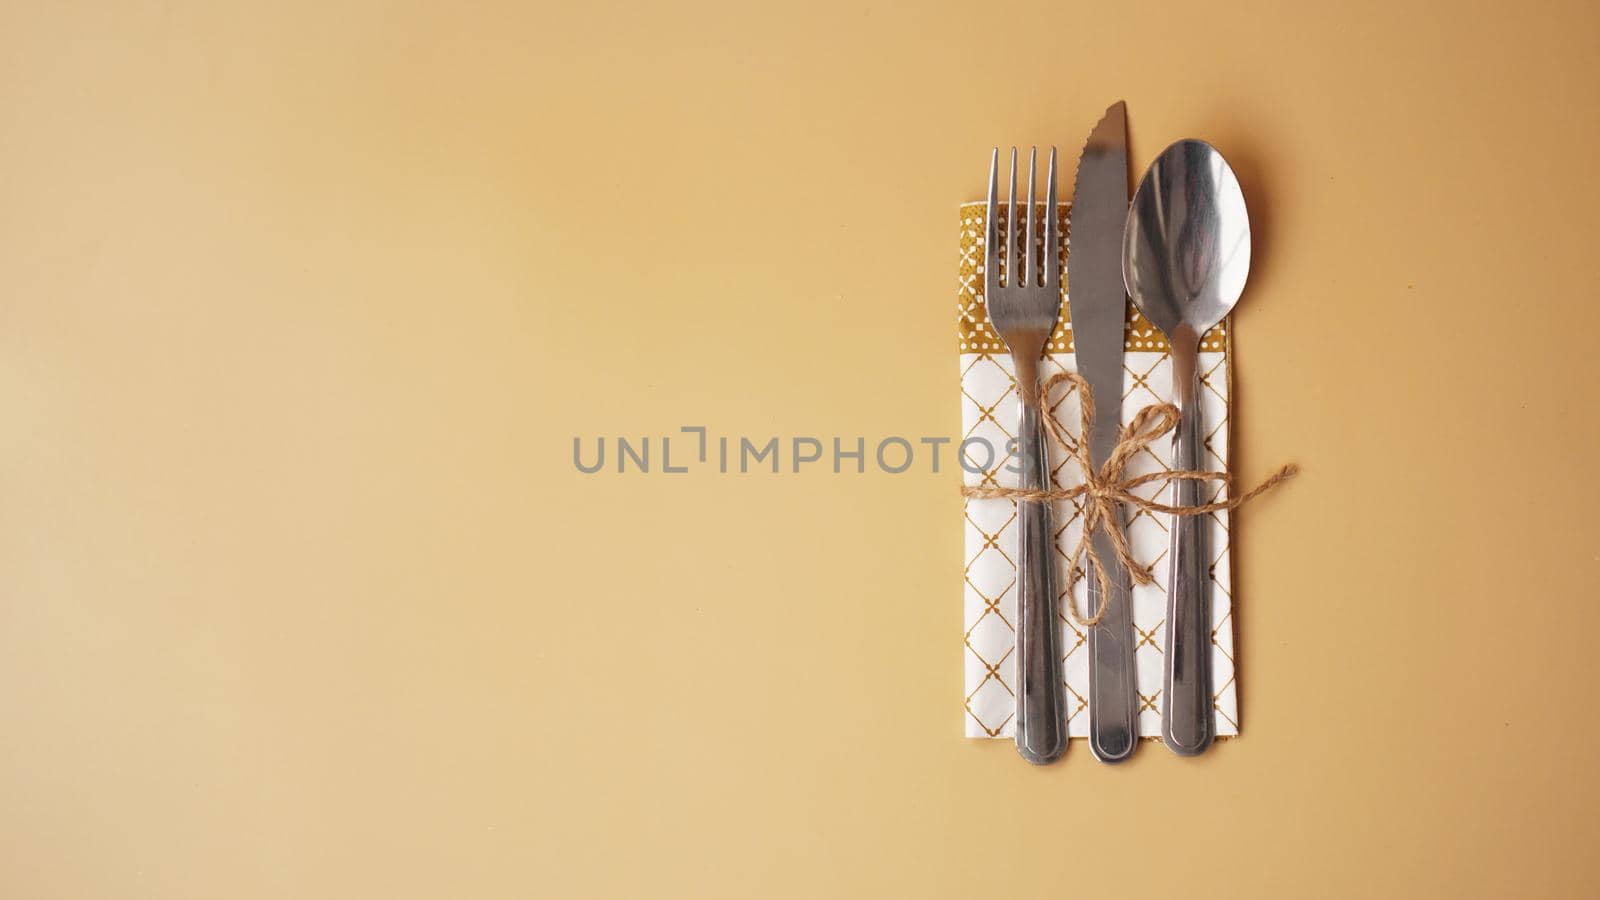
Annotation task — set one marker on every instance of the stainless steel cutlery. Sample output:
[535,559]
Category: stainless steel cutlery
[1181,250]
[1186,252]
[1099,309]
[1023,307]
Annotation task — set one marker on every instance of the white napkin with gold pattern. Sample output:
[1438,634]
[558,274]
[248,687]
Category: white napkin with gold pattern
[989,413]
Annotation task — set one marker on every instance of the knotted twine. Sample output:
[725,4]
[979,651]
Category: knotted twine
[1104,488]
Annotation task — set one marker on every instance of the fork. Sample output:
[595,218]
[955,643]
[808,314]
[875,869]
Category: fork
[1024,311]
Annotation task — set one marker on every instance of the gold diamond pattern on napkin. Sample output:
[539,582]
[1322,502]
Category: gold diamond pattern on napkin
[989,409]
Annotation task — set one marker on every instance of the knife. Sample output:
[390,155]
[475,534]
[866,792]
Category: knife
[1098,305]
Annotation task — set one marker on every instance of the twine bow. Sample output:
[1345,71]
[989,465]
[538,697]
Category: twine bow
[1104,488]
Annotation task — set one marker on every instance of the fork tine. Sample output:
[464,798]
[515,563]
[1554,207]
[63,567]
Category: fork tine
[1052,233]
[991,231]
[1011,224]
[1030,254]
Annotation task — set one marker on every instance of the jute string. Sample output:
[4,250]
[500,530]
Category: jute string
[1104,488]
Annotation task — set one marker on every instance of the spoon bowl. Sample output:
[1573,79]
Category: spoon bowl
[1186,245]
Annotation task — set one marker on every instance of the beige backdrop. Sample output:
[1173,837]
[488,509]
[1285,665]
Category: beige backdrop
[301,305]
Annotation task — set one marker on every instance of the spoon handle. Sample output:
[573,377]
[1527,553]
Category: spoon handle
[1187,725]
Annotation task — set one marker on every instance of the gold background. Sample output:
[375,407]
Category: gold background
[301,305]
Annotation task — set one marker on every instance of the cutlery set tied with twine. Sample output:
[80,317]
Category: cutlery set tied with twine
[1098,596]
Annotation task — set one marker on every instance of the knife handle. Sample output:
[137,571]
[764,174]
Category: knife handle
[1113,693]
[1187,724]
[1041,709]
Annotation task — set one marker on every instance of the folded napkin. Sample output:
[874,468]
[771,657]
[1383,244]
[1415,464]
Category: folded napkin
[989,412]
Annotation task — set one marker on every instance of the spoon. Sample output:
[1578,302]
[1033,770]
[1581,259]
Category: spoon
[1185,255]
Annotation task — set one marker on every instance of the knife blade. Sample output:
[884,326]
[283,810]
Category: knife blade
[1098,303]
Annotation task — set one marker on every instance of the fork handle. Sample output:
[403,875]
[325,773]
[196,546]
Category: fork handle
[1187,725]
[1041,715]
